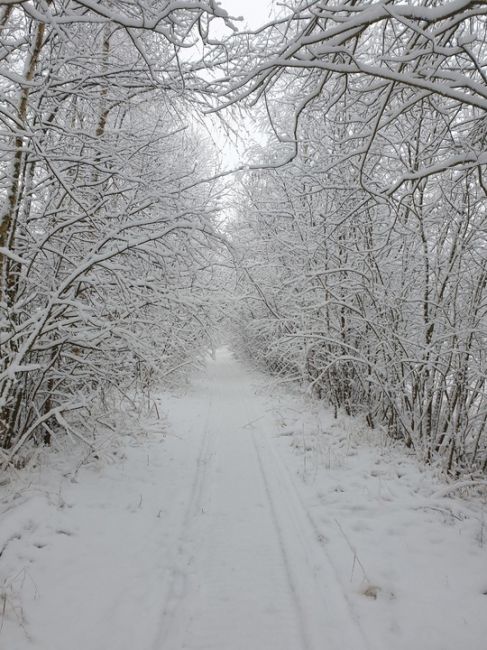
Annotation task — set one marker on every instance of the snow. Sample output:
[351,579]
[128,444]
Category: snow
[250,520]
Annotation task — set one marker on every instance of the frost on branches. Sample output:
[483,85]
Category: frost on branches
[364,246]
[359,224]
[106,238]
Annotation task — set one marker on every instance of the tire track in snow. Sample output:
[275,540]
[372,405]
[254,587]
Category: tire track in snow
[296,501]
[176,589]
[301,619]
[295,527]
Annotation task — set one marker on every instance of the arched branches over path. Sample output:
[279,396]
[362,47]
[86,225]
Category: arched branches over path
[365,268]
[107,236]
[382,60]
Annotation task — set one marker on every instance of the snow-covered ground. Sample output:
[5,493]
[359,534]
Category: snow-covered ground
[251,521]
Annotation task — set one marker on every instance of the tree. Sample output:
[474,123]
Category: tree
[104,237]
[381,207]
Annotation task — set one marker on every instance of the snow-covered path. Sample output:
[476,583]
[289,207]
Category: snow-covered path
[250,520]
[250,571]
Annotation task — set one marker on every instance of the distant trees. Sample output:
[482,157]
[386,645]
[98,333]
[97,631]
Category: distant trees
[365,266]
[105,240]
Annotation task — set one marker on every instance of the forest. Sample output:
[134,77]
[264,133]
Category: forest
[344,250]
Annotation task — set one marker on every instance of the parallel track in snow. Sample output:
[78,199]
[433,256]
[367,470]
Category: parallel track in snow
[249,570]
[177,578]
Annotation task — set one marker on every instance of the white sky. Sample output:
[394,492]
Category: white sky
[234,150]
[254,12]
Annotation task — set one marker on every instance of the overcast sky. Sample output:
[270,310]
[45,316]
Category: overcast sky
[255,12]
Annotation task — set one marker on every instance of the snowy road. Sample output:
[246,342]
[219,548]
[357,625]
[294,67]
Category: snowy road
[250,520]
[251,571]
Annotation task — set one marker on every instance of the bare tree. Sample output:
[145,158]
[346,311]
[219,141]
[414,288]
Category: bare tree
[105,238]
[371,283]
